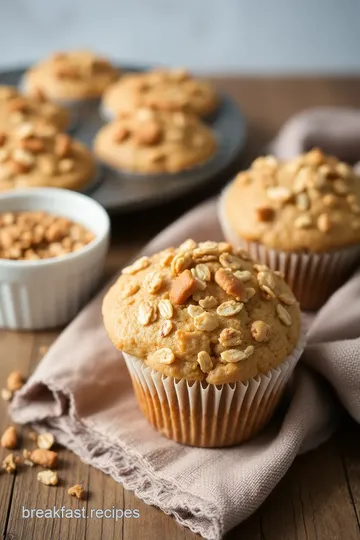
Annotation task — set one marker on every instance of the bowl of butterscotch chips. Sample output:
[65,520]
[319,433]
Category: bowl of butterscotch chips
[53,244]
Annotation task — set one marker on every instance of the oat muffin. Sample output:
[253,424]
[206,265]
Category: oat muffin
[301,217]
[70,76]
[148,141]
[161,89]
[16,108]
[207,315]
[37,155]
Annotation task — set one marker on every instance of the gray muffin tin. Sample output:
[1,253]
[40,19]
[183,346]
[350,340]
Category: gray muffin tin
[121,192]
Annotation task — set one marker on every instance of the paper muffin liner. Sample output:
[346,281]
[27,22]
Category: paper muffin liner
[313,277]
[200,414]
[80,109]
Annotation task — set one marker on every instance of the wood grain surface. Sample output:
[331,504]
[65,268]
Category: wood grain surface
[319,498]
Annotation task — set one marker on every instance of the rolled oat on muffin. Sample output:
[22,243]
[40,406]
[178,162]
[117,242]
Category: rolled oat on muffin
[160,89]
[210,339]
[16,108]
[36,155]
[301,217]
[148,141]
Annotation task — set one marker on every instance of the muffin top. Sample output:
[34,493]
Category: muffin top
[70,75]
[310,203]
[149,141]
[167,90]
[16,108]
[203,312]
[37,155]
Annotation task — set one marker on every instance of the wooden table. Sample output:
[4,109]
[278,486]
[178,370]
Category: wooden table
[320,496]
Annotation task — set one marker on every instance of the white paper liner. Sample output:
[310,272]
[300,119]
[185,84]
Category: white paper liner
[207,415]
[80,109]
[313,277]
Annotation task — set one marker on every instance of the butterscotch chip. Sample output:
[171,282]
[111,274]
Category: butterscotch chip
[130,289]
[260,331]
[9,438]
[231,284]
[44,458]
[49,478]
[182,287]
[77,491]
[265,213]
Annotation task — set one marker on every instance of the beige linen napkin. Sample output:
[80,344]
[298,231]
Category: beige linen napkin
[81,391]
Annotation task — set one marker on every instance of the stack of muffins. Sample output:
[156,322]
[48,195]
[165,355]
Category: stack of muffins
[34,151]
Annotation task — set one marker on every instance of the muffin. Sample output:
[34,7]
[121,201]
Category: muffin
[70,76]
[210,340]
[16,109]
[165,90]
[148,141]
[301,217]
[37,155]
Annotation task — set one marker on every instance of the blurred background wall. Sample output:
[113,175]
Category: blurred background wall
[253,36]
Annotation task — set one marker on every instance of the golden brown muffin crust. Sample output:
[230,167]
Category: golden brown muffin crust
[170,90]
[203,312]
[311,203]
[148,141]
[37,155]
[70,75]
[16,108]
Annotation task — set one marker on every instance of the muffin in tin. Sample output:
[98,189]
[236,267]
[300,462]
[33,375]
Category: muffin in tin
[161,89]
[16,109]
[70,76]
[210,339]
[37,155]
[301,217]
[148,141]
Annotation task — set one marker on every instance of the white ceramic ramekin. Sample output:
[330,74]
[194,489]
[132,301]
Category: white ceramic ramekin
[50,292]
